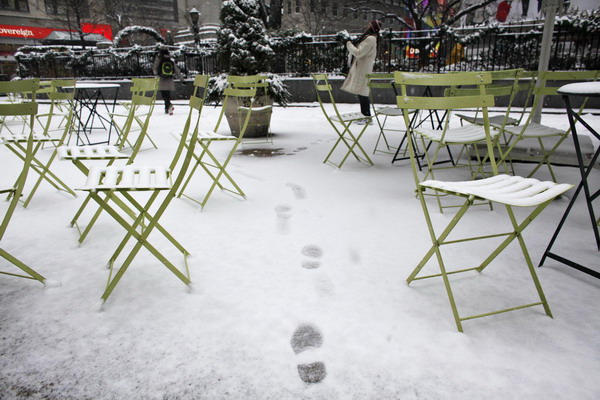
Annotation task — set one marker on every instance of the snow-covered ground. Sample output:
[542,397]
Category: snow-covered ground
[313,255]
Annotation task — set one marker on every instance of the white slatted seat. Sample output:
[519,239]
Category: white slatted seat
[92,152]
[389,111]
[353,116]
[497,121]
[504,189]
[214,136]
[534,130]
[462,135]
[10,137]
[129,177]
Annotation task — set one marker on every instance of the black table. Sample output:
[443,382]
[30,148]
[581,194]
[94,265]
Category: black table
[583,89]
[92,109]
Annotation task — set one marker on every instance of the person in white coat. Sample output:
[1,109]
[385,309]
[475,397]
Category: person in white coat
[364,53]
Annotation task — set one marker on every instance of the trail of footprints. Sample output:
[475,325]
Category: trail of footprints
[306,336]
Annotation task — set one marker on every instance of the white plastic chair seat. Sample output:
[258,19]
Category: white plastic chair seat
[496,120]
[534,130]
[129,177]
[461,135]
[211,135]
[504,189]
[391,111]
[92,152]
[347,117]
[23,137]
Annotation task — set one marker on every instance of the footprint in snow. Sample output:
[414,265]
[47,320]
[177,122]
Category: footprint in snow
[308,337]
[284,213]
[315,253]
[298,190]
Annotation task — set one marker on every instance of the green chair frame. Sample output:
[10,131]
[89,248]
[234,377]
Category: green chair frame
[16,143]
[120,183]
[26,110]
[137,119]
[344,133]
[502,189]
[242,90]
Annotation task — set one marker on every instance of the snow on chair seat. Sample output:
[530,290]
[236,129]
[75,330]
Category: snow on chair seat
[129,177]
[534,130]
[10,137]
[495,121]
[92,152]
[463,134]
[214,136]
[389,111]
[504,189]
[349,117]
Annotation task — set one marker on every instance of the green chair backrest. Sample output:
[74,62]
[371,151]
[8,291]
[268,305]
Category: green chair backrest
[323,86]
[245,90]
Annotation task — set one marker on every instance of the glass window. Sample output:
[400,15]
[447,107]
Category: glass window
[14,5]
[324,6]
[334,9]
[289,6]
[297,6]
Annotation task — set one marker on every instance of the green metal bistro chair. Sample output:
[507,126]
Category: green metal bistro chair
[345,135]
[15,142]
[510,191]
[505,84]
[379,82]
[242,90]
[28,110]
[450,135]
[120,184]
[137,119]
[61,94]
[546,139]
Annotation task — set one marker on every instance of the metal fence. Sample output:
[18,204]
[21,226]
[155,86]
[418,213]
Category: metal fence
[463,49]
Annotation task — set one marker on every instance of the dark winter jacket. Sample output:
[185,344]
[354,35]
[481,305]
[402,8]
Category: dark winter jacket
[165,83]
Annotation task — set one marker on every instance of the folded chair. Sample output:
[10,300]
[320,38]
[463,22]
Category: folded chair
[139,111]
[121,183]
[61,94]
[547,139]
[28,110]
[15,143]
[509,191]
[345,135]
[243,90]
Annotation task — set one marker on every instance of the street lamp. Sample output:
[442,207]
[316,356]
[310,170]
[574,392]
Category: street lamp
[194,16]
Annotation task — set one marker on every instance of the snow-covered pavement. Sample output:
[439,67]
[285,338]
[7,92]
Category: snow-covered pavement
[305,277]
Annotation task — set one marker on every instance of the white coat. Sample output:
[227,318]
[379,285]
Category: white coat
[365,53]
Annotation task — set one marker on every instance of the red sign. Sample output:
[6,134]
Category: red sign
[27,32]
[32,32]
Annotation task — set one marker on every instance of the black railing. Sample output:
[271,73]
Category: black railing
[462,49]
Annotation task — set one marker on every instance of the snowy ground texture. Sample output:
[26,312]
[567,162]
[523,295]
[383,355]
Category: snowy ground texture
[304,277]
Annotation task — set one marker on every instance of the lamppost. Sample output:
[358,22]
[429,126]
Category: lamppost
[194,16]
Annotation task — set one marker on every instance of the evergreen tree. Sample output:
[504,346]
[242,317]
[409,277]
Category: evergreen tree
[243,44]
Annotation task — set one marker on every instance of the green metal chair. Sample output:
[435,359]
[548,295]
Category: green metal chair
[449,135]
[28,110]
[379,82]
[242,90]
[547,139]
[509,191]
[345,135]
[137,119]
[121,183]
[15,142]
[61,93]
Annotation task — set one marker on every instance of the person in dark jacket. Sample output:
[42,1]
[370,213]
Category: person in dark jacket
[167,70]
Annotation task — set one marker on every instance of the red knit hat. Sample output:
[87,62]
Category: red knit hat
[375,25]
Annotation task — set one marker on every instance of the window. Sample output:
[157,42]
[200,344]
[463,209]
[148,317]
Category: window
[14,5]
[355,13]
[334,9]
[312,6]
[297,6]
[365,15]
[58,7]
[289,6]
[323,7]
